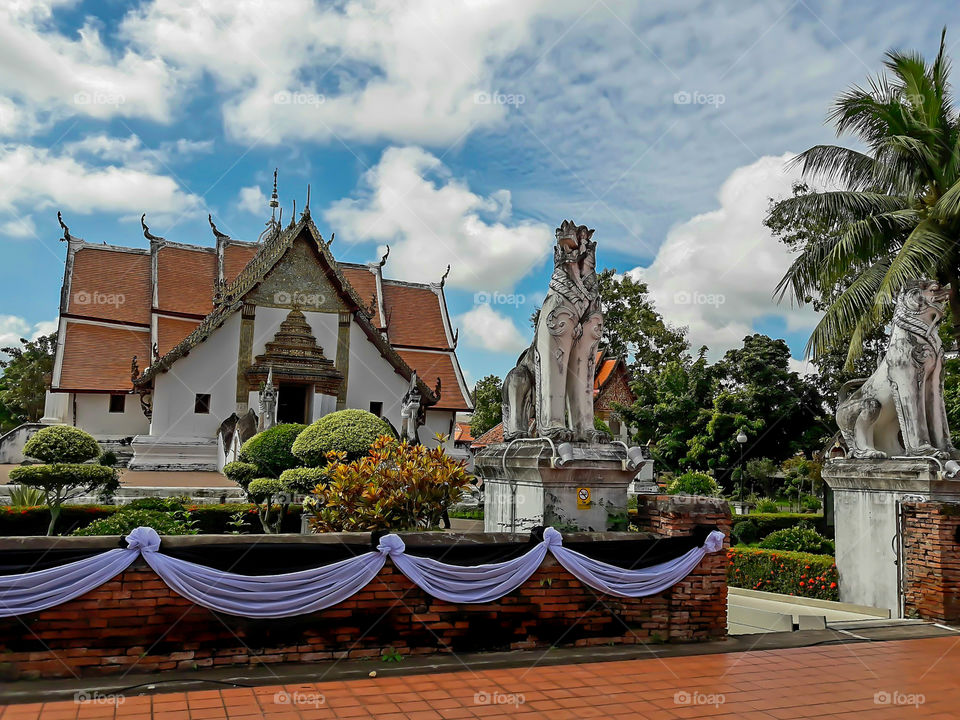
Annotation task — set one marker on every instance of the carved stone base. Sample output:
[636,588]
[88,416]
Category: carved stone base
[523,488]
[866,503]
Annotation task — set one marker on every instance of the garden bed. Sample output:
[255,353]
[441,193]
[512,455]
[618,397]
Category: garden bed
[787,573]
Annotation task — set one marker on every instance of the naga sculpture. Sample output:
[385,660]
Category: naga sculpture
[899,409]
[550,391]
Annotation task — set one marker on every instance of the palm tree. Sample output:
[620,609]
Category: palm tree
[893,211]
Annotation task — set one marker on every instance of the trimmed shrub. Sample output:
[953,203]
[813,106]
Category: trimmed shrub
[745,532]
[62,444]
[63,481]
[173,504]
[125,521]
[799,539]
[270,449]
[810,503]
[789,573]
[241,472]
[109,458]
[769,522]
[303,480]
[694,483]
[352,432]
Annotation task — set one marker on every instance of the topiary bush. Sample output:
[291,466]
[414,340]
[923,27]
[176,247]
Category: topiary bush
[60,482]
[125,521]
[270,449]
[62,444]
[799,539]
[241,472]
[160,504]
[694,483]
[745,532]
[304,480]
[265,492]
[789,573]
[352,432]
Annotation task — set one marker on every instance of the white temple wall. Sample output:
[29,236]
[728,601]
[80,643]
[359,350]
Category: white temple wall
[211,367]
[438,421]
[372,378]
[94,416]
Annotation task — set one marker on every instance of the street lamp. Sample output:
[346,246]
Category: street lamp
[742,439]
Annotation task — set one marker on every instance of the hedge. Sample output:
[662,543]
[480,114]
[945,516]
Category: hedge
[788,573]
[770,522]
[211,519]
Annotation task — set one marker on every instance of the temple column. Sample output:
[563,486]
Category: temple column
[343,356]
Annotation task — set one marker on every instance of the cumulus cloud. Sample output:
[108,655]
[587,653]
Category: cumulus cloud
[14,327]
[19,227]
[716,272]
[487,329]
[252,200]
[45,179]
[430,219]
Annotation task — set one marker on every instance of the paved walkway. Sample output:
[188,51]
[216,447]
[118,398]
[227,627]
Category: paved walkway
[880,680]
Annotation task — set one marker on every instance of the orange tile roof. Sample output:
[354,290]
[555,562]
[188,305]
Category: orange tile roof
[96,357]
[414,317]
[365,283]
[171,331]
[110,285]
[235,259]
[491,436]
[430,366]
[603,373]
[185,280]
[462,433]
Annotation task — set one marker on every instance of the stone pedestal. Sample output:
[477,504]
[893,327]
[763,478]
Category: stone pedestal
[868,499]
[525,486]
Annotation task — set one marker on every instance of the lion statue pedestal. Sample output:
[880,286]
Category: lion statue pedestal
[898,450]
[555,467]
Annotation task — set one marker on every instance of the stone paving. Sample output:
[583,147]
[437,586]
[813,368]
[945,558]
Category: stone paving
[879,680]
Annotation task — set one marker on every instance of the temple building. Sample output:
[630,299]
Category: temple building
[158,347]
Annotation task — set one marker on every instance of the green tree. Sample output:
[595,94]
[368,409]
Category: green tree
[633,328]
[26,373]
[487,405]
[896,214]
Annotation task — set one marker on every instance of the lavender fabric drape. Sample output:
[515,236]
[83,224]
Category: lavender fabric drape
[458,584]
[629,583]
[34,591]
[306,591]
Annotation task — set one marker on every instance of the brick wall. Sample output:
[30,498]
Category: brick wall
[931,561]
[136,623]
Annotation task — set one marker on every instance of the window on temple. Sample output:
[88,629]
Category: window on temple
[376,408]
[117,403]
[201,404]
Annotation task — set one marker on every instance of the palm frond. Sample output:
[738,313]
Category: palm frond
[921,255]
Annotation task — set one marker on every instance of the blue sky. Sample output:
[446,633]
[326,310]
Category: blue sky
[459,132]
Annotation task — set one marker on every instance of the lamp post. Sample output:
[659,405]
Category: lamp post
[742,439]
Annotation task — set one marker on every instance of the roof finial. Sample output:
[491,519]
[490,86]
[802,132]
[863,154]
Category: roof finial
[216,233]
[306,209]
[66,230]
[274,203]
[332,236]
[383,260]
[443,280]
[146,231]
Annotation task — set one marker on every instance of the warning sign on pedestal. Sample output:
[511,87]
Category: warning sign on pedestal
[583,498]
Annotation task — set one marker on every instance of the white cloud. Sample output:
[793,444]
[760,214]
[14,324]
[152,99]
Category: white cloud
[418,71]
[50,75]
[716,272]
[42,179]
[485,328]
[252,200]
[431,220]
[803,367]
[19,227]
[132,153]
[13,327]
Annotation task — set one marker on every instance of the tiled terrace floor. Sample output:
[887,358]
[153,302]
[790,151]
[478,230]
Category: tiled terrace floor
[895,680]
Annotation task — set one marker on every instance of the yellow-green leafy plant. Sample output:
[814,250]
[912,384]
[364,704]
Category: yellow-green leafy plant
[397,486]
